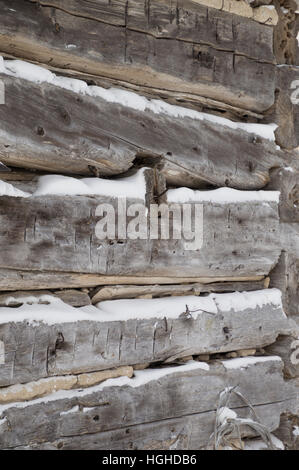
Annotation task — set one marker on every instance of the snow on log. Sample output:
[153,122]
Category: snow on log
[122,408]
[214,53]
[57,231]
[70,127]
[46,337]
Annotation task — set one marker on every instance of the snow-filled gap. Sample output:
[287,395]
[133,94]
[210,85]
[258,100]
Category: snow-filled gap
[53,310]
[133,186]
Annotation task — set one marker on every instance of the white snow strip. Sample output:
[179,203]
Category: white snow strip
[72,410]
[296,431]
[142,377]
[239,301]
[220,196]
[7,189]
[169,307]
[37,74]
[244,362]
[225,413]
[56,311]
[88,408]
[133,186]
[173,307]
[289,168]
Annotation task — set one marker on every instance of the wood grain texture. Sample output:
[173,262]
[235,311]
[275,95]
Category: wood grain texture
[131,292]
[215,54]
[12,279]
[62,131]
[286,110]
[54,233]
[286,180]
[285,274]
[75,298]
[287,347]
[38,350]
[180,395]
[190,432]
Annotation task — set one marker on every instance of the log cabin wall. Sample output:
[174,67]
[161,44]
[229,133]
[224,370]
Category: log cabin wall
[127,342]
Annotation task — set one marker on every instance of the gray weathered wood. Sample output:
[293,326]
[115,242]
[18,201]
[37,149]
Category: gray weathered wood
[214,54]
[286,180]
[175,396]
[33,351]
[62,131]
[58,132]
[284,276]
[75,298]
[287,347]
[285,43]
[190,432]
[11,279]
[288,423]
[54,233]
[131,292]
[286,110]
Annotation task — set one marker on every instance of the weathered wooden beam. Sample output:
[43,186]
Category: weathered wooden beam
[214,53]
[120,404]
[189,100]
[56,233]
[44,340]
[187,433]
[11,279]
[57,134]
[69,132]
[131,292]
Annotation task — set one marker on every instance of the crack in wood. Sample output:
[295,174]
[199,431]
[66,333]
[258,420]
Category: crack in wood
[148,33]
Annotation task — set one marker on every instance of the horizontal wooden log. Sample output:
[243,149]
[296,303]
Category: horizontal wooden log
[64,340]
[57,233]
[11,279]
[214,53]
[131,292]
[186,433]
[61,135]
[64,131]
[122,403]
